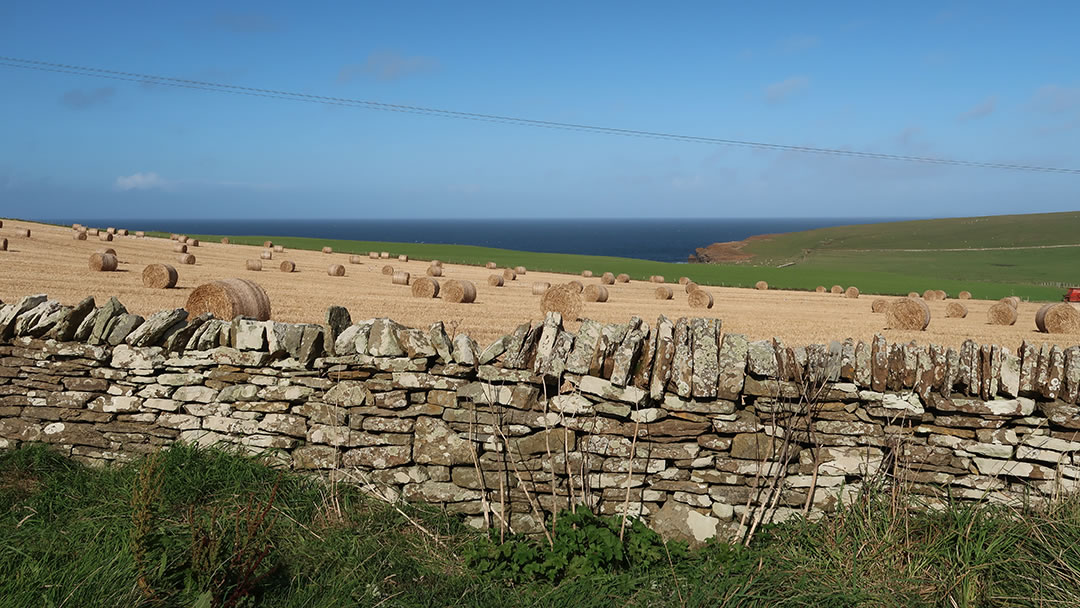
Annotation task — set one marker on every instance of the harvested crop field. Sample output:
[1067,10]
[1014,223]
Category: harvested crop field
[51,262]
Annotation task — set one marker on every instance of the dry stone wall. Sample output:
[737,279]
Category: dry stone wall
[682,424]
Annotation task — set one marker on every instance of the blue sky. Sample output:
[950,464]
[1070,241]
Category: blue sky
[984,81]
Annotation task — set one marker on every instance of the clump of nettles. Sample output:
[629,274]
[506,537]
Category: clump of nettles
[582,544]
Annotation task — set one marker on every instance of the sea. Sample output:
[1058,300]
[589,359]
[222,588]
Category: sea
[663,240]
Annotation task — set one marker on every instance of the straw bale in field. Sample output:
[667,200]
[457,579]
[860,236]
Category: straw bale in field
[159,276]
[228,299]
[955,310]
[595,293]
[851,292]
[495,280]
[335,270]
[253,265]
[664,293]
[186,258]
[699,298]
[287,266]
[102,262]
[1058,318]
[907,313]
[563,300]
[400,277]
[425,287]
[1001,313]
[879,305]
[459,292]
[761,285]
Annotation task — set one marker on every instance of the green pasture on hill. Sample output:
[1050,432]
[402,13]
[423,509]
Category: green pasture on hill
[871,274]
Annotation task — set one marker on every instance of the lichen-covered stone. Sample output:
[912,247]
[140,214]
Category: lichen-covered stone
[437,443]
[1055,371]
[416,343]
[704,342]
[122,327]
[493,350]
[155,326]
[603,388]
[103,320]
[665,352]
[1029,361]
[382,340]
[465,351]
[879,364]
[10,313]
[679,521]
[732,366]
[682,363]
[337,319]
[440,341]
[585,345]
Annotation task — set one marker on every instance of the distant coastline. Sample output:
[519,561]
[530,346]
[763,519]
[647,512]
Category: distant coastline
[662,240]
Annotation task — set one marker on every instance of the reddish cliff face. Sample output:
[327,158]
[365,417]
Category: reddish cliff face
[726,253]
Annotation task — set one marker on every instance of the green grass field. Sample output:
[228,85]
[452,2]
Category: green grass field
[208,529]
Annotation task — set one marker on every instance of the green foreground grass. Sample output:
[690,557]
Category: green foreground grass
[898,278]
[189,527]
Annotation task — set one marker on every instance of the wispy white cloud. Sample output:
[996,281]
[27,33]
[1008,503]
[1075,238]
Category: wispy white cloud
[139,181]
[980,110]
[779,91]
[387,66]
[152,181]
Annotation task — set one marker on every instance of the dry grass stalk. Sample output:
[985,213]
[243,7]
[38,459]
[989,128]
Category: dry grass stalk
[908,313]
[459,292]
[102,262]
[228,299]
[179,248]
[851,292]
[266,255]
[577,286]
[1002,313]
[836,289]
[509,274]
[595,293]
[1058,318]
[539,288]
[287,266]
[356,259]
[335,270]
[607,278]
[434,271]
[657,278]
[388,270]
[587,274]
[664,293]
[425,287]
[253,264]
[761,286]
[879,305]
[495,280]
[955,310]
[186,258]
[403,258]
[700,298]
[964,295]
[159,276]
[400,277]
[491,265]
[563,300]
[622,278]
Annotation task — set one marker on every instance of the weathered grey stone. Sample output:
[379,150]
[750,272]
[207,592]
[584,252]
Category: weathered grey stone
[493,350]
[315,457]
[682,363]
[544,442]
[239,392]
[761,359]
[383,341]
[438,492]
[665,353]
[415,343]
[284,424]
[1012,468]
[1029,361]
[847,360]
[292,392]
[127,357]
[1071,380]
[122,327]
[210,336]
[66,328]
[585,346]
[378,457]
[1009,375]
[879,363]
[337,319]
[1042,370]
[465,350]
[348,393]
[1055,371]
[755,446]
[312,345]
[904,406]
[103,320]
[195,394]
[436,443]
[704,340]
[275,338]
[677,521]
[440,341]
[572,404]
[27,320]
[10,312]
[554,366]
[952,370]
[151,331]
[732,366]
[524,357]
[248,334]
[910,365]
[545,344]
[626,354]
[604,388]
[345,343]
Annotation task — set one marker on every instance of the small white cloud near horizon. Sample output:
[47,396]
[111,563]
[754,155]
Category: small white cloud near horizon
[139,181]
[779,91]
[985,108]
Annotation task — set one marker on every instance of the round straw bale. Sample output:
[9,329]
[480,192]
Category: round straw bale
[509,274]
[268,244]
[836,289]
[930,295]
[139,234]
[761,285]
[279,248]
[328,250]
[914,295]
[491,265]
[459,292]
[955,310]
[179,248]
[1001,313]
[941,295]
[563,300]
[254,265]
[964,295]
[879,305]
[684,280]
[385,255]
[607,278]
[186,258]
[691,287]
[403,258]
[907,313]
[108,250]
[434,271]
[335,270]
[193,242]
[287,266]
[586,273]
[400,277]
[182,238]
[159,276]
[425,287]
[1013,301]
[374,255]
[110,230]
[519,269]
[102,262]
[224,240]
[122,232]
[92,231]
[540,287]
[495,280]
[228,299]
[1058,318]
[851,292]
[664,293]
[699,298]
[3,244]
[104,236]
[436,263]
[388,270]
[577,286]
[172,237]
[356,259]
[595,293]
[266,254]
[74,226]
[657,278]
[622,278]
[79,235]
[820,289]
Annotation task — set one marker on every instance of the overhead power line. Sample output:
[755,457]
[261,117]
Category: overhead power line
[46,66]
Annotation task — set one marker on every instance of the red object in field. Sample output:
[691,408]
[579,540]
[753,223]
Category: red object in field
[1073,295]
